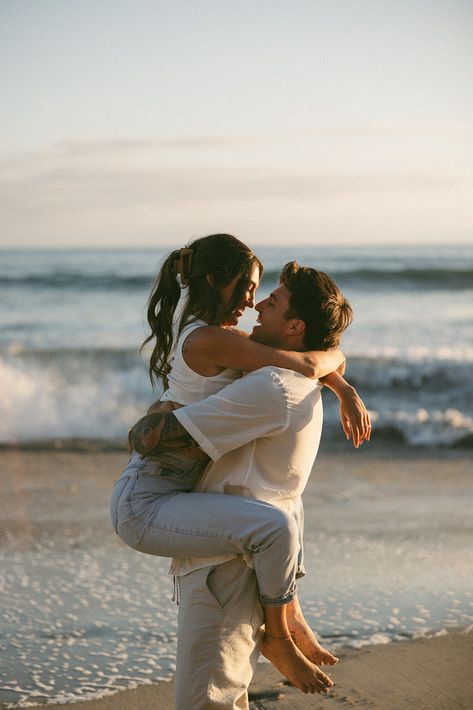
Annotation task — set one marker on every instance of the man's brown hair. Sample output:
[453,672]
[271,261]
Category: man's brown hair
[316,299]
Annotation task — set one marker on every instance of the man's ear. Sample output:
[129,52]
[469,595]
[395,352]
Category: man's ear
[210,279]
[296,327]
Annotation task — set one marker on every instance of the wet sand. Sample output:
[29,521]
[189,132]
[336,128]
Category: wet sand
[413,675]
[66,492]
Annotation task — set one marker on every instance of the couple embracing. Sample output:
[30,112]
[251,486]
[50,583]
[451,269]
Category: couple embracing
[219,464]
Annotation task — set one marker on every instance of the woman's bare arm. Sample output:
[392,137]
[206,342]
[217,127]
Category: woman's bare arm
[221,348]
[354,416]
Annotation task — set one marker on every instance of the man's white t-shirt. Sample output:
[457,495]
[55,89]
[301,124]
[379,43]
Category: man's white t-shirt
[262,433]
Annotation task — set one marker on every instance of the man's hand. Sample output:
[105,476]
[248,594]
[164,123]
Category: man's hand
[145,435]
[161,406]
[157,432]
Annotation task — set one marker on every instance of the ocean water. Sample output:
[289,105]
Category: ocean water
[71,324]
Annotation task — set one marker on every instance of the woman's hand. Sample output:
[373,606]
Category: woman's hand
[354,416]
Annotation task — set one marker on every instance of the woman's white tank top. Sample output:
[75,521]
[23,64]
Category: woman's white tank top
[187,386]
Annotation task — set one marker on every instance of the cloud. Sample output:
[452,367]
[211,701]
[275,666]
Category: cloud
[60,179]
[109,189]
[129,145]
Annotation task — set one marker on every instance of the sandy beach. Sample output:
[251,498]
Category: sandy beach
[65,491]
[56,500]
[433,674]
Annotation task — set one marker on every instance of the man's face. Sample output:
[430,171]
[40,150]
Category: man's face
[272,327]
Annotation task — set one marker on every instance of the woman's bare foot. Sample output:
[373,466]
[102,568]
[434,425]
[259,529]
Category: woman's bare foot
[306,641]
[291,662]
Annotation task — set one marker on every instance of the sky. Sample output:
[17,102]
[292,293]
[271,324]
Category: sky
[150,122]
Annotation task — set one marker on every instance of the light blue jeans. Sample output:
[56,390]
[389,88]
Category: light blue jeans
[154,510]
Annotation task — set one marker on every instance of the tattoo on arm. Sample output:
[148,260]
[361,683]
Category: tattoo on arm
[159,431]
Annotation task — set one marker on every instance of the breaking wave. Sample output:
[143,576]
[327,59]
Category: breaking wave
[97,393]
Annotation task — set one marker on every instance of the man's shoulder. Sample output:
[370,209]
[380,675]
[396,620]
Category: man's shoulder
[281,375]
[267,376]
[280,380]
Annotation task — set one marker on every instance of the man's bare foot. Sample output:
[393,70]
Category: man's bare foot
[299,670]
[306,641]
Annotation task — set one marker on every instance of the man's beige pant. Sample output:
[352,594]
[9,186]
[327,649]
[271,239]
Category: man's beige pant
[219,637]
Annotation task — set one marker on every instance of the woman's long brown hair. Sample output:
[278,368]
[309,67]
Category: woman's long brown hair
[221,257]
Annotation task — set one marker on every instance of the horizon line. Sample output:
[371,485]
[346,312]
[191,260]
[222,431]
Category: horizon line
[298,245]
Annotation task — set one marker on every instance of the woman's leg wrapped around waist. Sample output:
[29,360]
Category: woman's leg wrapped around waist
[137,493]
[214,524]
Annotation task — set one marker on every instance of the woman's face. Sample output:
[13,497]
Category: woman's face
[226,294]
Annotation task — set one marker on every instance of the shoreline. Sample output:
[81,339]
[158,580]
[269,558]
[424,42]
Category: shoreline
[433,673]
[387,441]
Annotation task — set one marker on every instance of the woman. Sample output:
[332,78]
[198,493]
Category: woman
[222,275]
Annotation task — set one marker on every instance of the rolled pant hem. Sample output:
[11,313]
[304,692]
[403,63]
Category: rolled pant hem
[279,601]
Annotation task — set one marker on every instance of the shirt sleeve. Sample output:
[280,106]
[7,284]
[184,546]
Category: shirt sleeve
[252,407]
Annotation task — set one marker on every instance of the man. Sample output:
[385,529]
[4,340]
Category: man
[262,434]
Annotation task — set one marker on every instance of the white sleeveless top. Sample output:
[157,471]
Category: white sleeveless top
[187,386]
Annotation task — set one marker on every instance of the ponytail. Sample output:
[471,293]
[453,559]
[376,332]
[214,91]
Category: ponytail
[162,305]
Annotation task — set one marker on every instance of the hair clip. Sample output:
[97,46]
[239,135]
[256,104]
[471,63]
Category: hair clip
[183,265]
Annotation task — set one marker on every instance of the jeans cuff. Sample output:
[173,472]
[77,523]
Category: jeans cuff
[280,601]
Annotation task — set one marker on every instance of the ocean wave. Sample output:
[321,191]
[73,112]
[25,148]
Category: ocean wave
[78,281]
[414,354]
[79,359]
[413,278]
[416,279]
[43,401]
[96,395]
[412,376]
[448,428]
